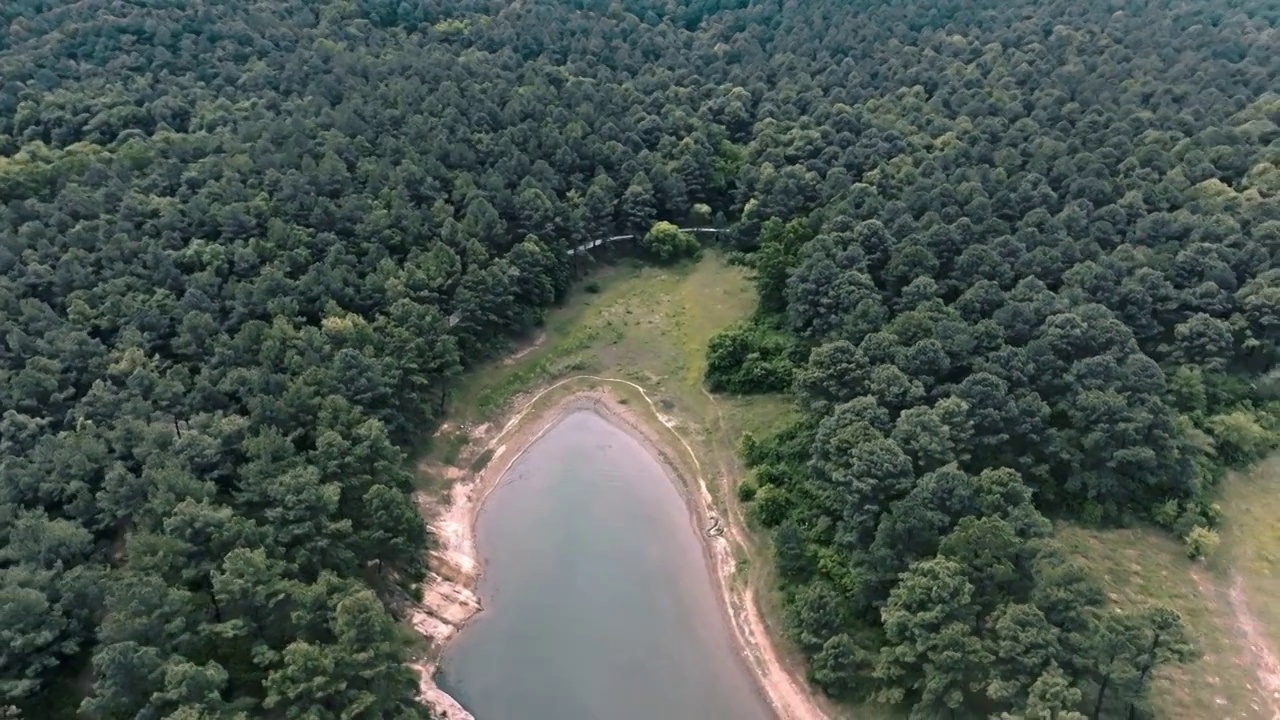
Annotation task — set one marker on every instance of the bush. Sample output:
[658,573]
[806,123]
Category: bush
[750,449]
[1166,514]
[769,506]
[666,243]
[1242,436]
[1201,542]
[749,359]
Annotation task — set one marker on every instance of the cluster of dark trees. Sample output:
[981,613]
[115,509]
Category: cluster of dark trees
[1012,255]
[1015,262]
[231,235]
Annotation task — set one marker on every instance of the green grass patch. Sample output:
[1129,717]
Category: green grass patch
[451,447]
[760,415]
[480,462]
[1139,567]
[642,323]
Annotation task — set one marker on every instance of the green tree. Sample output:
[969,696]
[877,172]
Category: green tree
[1052,697]
[358,675]
[932,648]
[775,258]
[665,242]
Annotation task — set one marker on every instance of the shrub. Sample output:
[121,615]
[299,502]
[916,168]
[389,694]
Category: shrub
[666,243]
[1201,542]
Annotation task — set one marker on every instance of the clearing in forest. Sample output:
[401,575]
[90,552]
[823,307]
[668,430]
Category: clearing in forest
[1228,602]
[648,325]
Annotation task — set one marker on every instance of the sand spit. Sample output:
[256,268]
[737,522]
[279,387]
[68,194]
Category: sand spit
[449,597]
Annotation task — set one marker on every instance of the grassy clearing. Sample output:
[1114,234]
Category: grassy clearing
[1143,566]
[1251,541]
[646,324]
[1139,567]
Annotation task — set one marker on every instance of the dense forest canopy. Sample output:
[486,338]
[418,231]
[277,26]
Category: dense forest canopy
[1014,258]
[1023,265]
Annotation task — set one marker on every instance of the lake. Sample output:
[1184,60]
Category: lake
[599,603]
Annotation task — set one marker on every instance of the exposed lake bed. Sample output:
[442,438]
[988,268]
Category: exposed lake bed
[453,593]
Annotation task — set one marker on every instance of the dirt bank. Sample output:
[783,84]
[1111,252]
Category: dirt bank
[449,599]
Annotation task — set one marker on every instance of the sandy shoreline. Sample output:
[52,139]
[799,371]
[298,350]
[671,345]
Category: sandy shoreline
[449,598]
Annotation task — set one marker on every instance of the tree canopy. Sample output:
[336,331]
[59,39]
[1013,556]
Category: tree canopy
[1012,257]
[1007,274]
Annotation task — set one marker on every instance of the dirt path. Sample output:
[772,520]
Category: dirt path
[532,345]
[449,599]
[1253,651]
[1265,663]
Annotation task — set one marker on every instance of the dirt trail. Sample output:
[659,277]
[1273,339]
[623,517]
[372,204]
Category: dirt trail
[449,599]
[1265,662]
[529,347]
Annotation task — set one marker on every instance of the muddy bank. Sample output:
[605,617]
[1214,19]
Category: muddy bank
[449,598]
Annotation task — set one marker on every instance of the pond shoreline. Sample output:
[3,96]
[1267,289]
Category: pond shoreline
[449,598]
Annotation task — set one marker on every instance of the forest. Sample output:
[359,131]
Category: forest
[1017,262]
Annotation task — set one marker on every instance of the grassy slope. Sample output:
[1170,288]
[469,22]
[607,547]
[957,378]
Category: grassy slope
[646,324]
[1251,540]
[1143,566]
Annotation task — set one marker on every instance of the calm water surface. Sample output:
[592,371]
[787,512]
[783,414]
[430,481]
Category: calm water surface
[599,604]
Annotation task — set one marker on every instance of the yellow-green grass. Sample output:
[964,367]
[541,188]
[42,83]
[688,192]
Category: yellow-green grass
[646,324]
[1251,542]
[1145,566]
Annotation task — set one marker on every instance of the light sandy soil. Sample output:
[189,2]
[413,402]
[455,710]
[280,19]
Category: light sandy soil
[449,599]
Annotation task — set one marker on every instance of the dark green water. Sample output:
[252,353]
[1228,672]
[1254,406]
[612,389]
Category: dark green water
[598,602]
